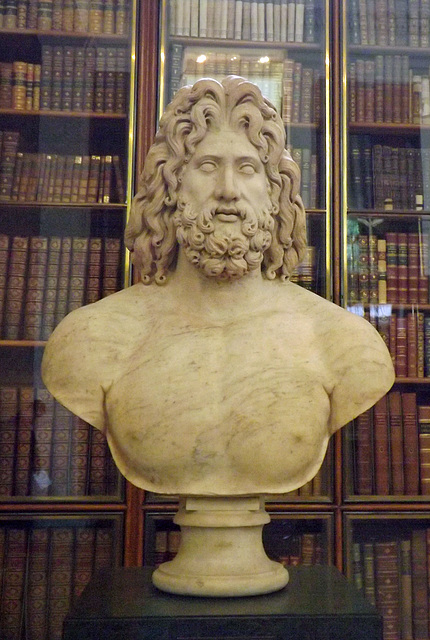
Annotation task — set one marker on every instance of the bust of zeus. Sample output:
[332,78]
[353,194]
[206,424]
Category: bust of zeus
[215,375]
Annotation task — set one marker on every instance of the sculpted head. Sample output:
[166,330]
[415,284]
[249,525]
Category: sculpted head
[218,182]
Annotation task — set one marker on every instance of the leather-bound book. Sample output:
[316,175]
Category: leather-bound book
[388,586]
[396,443]
[410,443]
[381,444]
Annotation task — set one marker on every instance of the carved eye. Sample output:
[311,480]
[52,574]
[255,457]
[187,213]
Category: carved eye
[247,168]
[208,166]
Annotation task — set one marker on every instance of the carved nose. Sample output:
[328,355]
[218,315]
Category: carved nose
[226,188]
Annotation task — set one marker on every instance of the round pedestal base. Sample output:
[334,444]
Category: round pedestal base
[221,552]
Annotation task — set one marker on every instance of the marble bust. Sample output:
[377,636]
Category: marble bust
[215,376]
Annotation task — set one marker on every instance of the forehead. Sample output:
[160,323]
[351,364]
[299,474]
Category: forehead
[226,142]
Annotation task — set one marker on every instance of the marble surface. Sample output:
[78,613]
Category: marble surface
[228,380]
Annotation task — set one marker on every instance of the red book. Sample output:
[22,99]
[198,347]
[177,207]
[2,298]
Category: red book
[396,442]
[364,460]
[402,268]
[413,267]
[419,584]
[410,443]
[63,279]
[103,556]
[424,448]
[51,287]
[388,587]
[8,428]
[60,578]
[382,459]
[401,347]
[98,463]
[83,564]
[412,344]
[4,259]
[38,582]
[11,607]
[420,345]
[36,276]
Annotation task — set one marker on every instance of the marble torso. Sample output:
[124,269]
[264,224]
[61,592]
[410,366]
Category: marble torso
[225,403]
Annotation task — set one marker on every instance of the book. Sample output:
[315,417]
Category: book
[410,442]
[4,263]
[23,442]
[78,272]
[388,586]
[369,585]
[424,448]
[37,588]
[396,442]
[36,274]
[61,444]
[9,149]
[364,453]
[406,589]
[15,288]
[60,578]
[11,608]
[79,454]
[8,429]
[83,560]
[381,443]
[42,445]
[419,583]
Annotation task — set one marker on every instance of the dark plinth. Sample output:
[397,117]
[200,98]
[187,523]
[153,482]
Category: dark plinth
[317,604]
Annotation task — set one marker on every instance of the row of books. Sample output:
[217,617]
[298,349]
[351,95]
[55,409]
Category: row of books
[44,278]
[387,178]
[305,274]
[74,16]
[69,78]
[47,451]
[391,452]
[44,570]
[407,336]
[293,89]
[256,20]
[393,574]
[56,178]
[389,23]
[387,90]
[389,269]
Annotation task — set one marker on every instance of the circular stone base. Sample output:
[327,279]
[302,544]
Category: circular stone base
[221,586]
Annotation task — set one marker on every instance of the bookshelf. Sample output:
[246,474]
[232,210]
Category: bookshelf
[351,201]
[67,122]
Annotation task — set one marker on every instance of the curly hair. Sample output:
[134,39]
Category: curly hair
[151,235]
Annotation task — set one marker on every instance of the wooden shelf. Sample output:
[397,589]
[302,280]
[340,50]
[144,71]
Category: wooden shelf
[243,44]
[22,343]
[364,49]
[405,214]
[64,205]
[64,114]
[78,35]
[392,128]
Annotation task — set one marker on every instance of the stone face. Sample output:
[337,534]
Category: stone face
[228,380]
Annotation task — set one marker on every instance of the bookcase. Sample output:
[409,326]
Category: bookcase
[351,80]
[67,120]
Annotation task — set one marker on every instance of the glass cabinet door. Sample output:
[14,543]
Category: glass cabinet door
[386,207]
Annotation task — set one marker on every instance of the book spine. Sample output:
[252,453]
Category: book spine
[98,464]
[103,555]
[388,587]
[4,262]
[60,582]
[78,273]
[83,562]
[410,443]
[51,286]
[79,453]
[11,609]
[406,589]
[419,584]
[369,585]
[15,288]
[36,275]
[38,581]
[8,430]
[89,78]
[46,77]
[382,458]
[42,434]
[396,442]
[93,285]
[63,280]
[364,451]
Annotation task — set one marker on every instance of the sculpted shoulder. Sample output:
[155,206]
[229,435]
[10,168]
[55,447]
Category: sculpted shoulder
[86,351]
[358,365]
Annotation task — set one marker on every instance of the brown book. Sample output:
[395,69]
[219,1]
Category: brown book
[46,77]
[83,180]
[96,16]
[388,88]
[381,440]
[17,175]
[363,268]
[388,586]
[10,14]
[397,88]
[103,554]
[16,288]
[93,284]
[57,194]
[66,194]
[19,90]
[406,589]
[424,448]
[32,14]
[34,177]
[297,89]
[364,453]
[37,590]
[83,563]
[36,275]
[352,92]
[89,78]
[98,463]
[79,455]
[382,270]
[287,91]
[76,178]
[379,88]
[121,78]
[68,15]
[307,81]
[406,91]
[401,364]
[63,280]
[8,429]
[57,15]
[410,443]
[78,272]
[100,80]
[420,345]
[6,85]
[52,168]
[160,551]
[360,90]
[402,268]
[120,194]
[393,338]
[4,263]
[121,18]
[42,445]
[93,179]
[369,585]
[9,149]
[61,442]
[111,266]
[369,91]
[22,176]
[419,584]
[413,267]
[396,443]
[11,608]
[60,578]
[81,16]
[51,287]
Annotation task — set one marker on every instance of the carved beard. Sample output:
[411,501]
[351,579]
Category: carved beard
[225,253]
